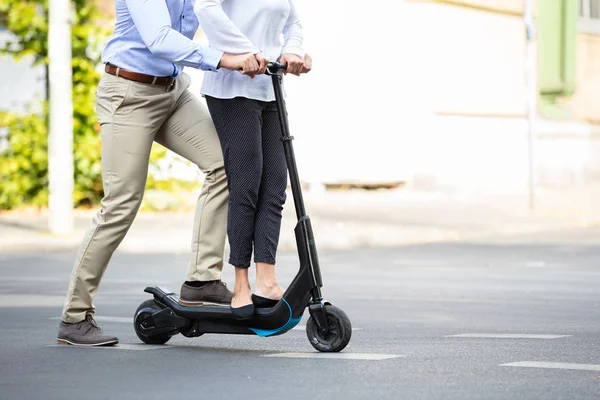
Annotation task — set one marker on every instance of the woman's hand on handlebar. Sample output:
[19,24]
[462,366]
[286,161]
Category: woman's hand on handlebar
[262,64]
[295,65]
[307,64]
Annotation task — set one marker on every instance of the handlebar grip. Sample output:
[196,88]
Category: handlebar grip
[274,67]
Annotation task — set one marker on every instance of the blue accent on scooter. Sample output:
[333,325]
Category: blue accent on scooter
[292,322]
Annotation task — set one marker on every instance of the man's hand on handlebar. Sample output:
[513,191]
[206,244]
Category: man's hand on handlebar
[246,64]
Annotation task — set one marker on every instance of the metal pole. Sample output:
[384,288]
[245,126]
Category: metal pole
[532,96]
[60,138]
[288,148]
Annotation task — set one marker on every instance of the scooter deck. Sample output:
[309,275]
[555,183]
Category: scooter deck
[216,319]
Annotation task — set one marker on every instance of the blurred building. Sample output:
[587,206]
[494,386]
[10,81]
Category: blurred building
[477,94]
[434,92]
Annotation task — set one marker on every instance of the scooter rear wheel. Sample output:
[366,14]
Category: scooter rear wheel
[338,336]
[139,318]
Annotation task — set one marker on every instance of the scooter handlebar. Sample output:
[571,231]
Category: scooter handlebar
[274,67]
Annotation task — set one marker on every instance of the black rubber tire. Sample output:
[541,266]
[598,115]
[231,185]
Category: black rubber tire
[338,337]
[160,339]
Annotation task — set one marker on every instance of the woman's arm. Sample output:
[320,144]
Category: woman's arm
[292,52]
[220,30]
[292,34]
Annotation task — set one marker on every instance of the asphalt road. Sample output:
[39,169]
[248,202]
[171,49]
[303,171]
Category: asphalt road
[406,305]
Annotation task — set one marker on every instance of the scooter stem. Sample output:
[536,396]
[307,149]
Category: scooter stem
[287,145]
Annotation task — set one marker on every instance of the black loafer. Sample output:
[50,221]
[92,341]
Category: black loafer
[263,302]
[245,312]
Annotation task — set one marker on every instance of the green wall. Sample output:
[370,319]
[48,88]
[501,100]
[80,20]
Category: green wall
[557,35]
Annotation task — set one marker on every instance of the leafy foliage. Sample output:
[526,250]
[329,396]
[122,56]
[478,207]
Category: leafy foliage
[24,164]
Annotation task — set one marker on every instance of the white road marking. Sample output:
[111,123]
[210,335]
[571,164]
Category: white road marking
[535,264]
[553,365]
[337,356]
[506,336]
[122,346]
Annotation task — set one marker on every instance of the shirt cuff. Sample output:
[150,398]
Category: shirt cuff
[211,59]
[294,50]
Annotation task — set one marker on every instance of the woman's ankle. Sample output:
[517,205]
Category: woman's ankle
[267,284]
[242,282]
[242,287]
[241,297]
[269,289]
[265,274]
[242,292]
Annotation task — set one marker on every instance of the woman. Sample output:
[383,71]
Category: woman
[247,122]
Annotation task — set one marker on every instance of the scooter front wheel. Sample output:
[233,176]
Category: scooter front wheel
[338,335]
[140,318]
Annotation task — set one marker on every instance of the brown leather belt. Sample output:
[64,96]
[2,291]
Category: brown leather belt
[137,77]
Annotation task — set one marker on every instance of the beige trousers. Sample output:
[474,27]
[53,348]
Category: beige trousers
[133,115]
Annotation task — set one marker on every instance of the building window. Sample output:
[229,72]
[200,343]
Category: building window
[589,16]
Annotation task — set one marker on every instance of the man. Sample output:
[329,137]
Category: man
[143,98]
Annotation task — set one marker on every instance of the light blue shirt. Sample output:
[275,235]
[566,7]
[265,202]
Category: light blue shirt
[154,37]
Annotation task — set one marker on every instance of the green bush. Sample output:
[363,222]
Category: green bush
[24,165]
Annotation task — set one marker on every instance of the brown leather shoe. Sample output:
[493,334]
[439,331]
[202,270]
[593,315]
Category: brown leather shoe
[84,333]
[212,293]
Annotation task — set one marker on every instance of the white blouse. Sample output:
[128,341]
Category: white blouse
[248,26]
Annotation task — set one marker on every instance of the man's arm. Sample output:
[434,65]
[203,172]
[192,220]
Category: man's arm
[152,20]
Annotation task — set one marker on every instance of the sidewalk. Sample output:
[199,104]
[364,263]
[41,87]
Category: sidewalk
[341,220]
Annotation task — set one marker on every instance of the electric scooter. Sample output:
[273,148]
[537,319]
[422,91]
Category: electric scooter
[328,328]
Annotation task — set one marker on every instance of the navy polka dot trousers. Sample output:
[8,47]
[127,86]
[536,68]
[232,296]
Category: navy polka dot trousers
[250,135]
